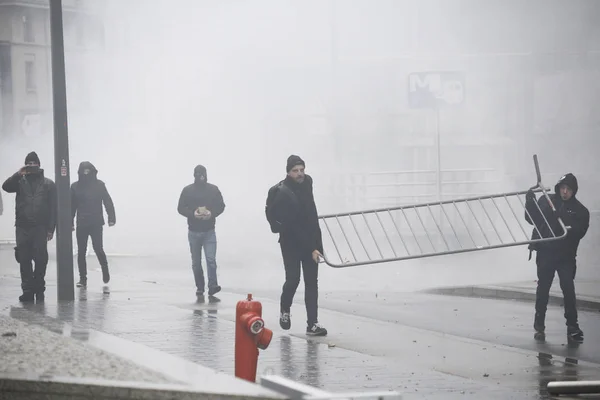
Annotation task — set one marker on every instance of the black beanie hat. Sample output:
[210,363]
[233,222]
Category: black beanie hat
[32,157]
[292,161]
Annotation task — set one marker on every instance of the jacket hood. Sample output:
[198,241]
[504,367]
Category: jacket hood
[570,180]
[86,165]
[199,173]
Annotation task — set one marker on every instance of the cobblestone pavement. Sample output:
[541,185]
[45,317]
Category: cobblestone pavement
[362,352]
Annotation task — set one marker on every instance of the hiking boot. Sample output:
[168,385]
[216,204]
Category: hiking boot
[82,283]
[316,330]
[105,274]
[26,297]
[284,321]
[40,297]
[574,334]
[214,290]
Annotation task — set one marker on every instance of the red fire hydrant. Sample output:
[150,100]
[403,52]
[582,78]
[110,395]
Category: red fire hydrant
[250,335]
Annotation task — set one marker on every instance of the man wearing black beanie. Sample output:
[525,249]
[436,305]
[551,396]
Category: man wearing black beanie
[557,256]
[35,222]
[292,213]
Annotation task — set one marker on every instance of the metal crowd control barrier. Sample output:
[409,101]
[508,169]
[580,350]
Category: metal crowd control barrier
[433,228]
[297,391]
[574,387]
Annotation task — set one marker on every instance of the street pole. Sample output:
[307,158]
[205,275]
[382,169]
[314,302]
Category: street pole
[438,153]
[64,240]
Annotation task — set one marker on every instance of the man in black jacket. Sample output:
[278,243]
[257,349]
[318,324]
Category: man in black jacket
[201,203]
[557,256]
[88,195]
[295,213]
[35,222]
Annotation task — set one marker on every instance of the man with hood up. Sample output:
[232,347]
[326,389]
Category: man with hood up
[557,256]
[201,203]
[35,222]
[88,195]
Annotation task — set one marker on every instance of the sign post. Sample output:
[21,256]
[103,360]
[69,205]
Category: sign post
[64,239]
[435,90]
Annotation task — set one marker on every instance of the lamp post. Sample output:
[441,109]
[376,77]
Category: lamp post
[64,240]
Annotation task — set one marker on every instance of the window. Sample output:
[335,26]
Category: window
[28,32]
[30,85]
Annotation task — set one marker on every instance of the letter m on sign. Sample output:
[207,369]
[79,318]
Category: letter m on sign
[435,89]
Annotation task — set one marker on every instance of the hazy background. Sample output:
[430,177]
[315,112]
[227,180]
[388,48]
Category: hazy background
[238,86]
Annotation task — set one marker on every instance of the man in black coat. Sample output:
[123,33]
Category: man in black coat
[35,222]
[295,212]
[557,256]
[88,195]
[201,203]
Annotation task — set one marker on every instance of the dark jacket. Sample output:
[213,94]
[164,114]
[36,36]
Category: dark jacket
[573,214]
[35,203]
[88,195]
[201,194]
[298,216]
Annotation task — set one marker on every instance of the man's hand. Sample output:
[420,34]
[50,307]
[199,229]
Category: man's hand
[23,171]
[530,196]
[111,224]
[50,236]
[315,256]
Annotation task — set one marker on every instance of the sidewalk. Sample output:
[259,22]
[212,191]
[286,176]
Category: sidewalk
[588,292]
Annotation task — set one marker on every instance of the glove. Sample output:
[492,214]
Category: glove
[530,196]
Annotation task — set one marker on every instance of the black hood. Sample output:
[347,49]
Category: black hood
[570,180]
[86,165]
[199,172]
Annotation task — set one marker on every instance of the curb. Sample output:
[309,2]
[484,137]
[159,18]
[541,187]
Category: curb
[63,387]
[491,292]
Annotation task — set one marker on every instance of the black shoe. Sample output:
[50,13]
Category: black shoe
[82,283]
[40,297]
[26,297]
[214,290]
[540,330]
[284,320]
[574,334]
[105,275]
[316,330]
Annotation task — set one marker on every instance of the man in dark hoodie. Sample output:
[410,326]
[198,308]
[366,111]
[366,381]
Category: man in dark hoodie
[35,222]
[201,203]
[88,195]
[293,214]
[557,256]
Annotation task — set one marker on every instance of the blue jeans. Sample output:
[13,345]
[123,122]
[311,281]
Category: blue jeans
[208,241]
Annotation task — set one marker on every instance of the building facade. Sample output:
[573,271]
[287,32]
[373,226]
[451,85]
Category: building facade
[25,61]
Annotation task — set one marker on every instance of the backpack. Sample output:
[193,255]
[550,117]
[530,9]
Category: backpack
[271,196]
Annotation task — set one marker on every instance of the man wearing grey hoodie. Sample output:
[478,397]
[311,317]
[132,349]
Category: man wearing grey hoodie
[88,195]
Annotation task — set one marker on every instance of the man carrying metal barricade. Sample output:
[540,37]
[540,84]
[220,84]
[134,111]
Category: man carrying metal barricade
[557,256]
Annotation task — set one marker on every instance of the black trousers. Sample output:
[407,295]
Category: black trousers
[96,233]
[32,247]
[294,261]
[546,269]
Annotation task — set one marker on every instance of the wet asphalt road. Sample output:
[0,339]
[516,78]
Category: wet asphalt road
[425,346]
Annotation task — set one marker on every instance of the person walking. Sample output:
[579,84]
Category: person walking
[201,203]
[88,195]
